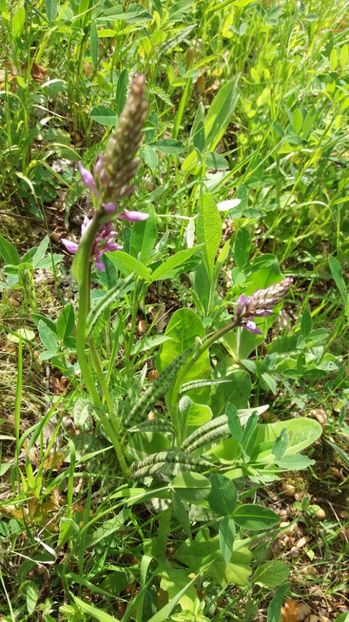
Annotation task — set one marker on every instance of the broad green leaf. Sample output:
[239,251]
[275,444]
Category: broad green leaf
[65,322]
[103,115]
[143,237]
[302,432]
[165,612]
[333,59]
[209,230]
[121,91]
[109,527]
[298,462]
[197,415]
[237,574]
[21,333]
[40,252]
[51,9]
[9,252]
[47,337]
[236,392]
[32,595]
[280,446]
[128,265]
[336,270]
[272,573]
[297,121]
[18,21]
[223,495]
[94,44]
[255,517]
[234,422]
[191,487]
[242,247]
[93,611]
[174,579]
[170,267]
[217,119]
[306,323]
[183,329]
[344,617]
[226,537]
[274,609]
[169,146]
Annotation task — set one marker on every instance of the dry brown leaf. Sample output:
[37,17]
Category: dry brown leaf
[292,611]
[38,72]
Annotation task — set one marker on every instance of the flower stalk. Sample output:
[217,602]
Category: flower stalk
[111,182]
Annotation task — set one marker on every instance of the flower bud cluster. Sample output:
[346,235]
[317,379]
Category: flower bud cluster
[117,166]
[260,304]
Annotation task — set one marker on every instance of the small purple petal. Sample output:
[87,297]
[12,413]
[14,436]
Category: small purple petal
[113,246]
[109,208]
[100,265]
[252,327]
[132,216]
[71,246]
[241,304]
[262,312]
[88,179]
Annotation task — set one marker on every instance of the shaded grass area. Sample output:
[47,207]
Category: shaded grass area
[278,145]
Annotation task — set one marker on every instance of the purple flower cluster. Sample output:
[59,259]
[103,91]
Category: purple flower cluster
[260,304]
[104,241]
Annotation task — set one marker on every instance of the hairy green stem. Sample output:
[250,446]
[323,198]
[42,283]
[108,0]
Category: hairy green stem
[84,272]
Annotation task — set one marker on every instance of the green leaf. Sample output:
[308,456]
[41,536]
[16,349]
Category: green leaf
[197,415]
[165,612]
[93,611]
[94,44]
[306,322]
[128,265]
[47,337]
[271,574]
[280,446]
[224,574]
[109,527]
[9,252]
[217,119]
[51,10]
[149,156]
[302,432]
[103,115]
[209,230]
[191,487]
[234,422]
[242,247]
[65,322]
[274,609]
[223,495]
[18,21]
[183,329]
[121,91]
[143,237]
[255,517]
[336,270]
[170,267]
[297,121]
[344,617]
[170,146]
[333,59]
[226,537]
[298,462]
[40,252]
[32,595]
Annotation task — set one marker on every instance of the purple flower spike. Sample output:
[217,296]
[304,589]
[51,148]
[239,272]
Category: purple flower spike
[241,304]
[132,216]
[252,327]
[109,208]
[88,179]
[71,246]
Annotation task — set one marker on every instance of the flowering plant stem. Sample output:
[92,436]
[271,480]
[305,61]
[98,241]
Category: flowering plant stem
[83,271]
[207,343]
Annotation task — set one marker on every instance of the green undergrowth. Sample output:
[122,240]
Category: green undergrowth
[233,497]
